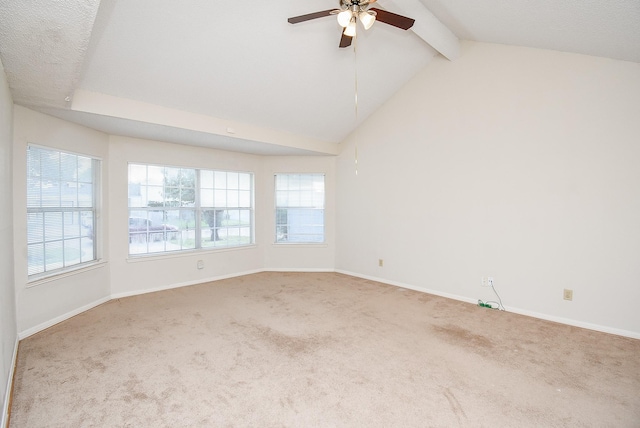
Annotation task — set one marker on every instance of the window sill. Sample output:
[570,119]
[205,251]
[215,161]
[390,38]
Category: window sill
[300,244]
[136,258]
[67,273]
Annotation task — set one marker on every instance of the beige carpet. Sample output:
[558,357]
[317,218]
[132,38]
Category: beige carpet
[321,350]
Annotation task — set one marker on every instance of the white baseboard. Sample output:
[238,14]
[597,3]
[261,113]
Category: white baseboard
[409,286]
[7,394]
[546,317]
[310,270]
[182,284]
[38,328]
[567,321]
[575,323]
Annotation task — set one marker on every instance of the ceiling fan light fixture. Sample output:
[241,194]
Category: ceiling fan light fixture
[349,12]
[350,30]
[344,18]
[367,18]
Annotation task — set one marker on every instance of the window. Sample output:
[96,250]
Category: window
[175,209]
[61,209]
[300,208]
[226,208]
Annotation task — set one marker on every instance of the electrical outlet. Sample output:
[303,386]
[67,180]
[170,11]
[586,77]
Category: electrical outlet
[380,262]
[568,294]
[200,264]
[483,281]
[490,281]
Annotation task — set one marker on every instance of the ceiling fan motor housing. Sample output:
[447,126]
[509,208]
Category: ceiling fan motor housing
[355,6]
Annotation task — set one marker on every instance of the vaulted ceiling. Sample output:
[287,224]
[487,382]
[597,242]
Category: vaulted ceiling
[237,76]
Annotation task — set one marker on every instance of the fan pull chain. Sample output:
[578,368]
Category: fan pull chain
[355,62]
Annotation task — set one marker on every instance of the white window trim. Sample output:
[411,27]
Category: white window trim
[324,214]
[71,271]
[48,276]
[132,257]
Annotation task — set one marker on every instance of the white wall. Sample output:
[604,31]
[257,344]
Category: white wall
[8,332]
[42,303]
[130,275]
[53,300]
[510,162]
[515,163]
[307,257]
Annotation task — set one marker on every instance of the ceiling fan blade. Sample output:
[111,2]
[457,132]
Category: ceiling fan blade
[345,41]
[393,19]
[309,16]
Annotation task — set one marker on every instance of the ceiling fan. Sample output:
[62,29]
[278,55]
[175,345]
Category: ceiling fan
[350,12]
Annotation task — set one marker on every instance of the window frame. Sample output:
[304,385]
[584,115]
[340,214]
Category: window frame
[94,209]
[197,209]
[278,207]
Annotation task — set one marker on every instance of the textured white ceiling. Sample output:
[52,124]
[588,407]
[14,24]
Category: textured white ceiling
[240,77]
[43,45]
